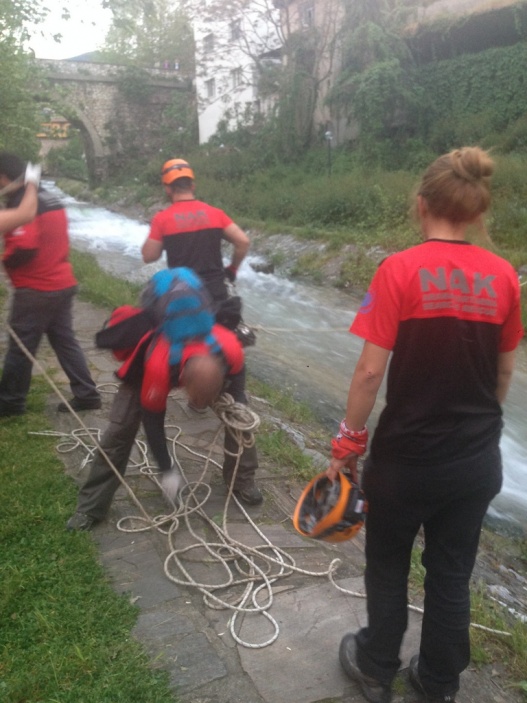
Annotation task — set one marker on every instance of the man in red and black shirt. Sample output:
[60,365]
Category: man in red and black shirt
[36,260]
[191,232]
[206,360]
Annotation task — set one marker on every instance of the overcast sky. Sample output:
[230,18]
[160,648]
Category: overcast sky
[84,32]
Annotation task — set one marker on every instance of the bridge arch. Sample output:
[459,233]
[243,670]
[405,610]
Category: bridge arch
[117,109]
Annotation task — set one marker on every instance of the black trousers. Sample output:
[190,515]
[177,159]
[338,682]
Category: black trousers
[34,314]
[449,502]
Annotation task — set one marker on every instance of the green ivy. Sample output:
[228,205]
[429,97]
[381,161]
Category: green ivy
[469,97]
[134,84]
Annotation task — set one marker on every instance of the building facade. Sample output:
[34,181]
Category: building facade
[233,42]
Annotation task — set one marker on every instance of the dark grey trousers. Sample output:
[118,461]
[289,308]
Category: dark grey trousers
[97,493]
[35,314]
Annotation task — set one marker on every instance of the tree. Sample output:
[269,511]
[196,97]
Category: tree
[374,85]
[150,33]
[18,119]
[265,58]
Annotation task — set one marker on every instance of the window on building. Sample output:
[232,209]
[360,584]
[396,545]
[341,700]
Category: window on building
[307,13]
[210,86]
[208,43]
[236,29]
[236,77]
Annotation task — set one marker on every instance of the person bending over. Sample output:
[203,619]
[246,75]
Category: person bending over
[181,347]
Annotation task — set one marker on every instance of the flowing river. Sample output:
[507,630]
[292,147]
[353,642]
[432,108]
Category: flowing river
[303,346]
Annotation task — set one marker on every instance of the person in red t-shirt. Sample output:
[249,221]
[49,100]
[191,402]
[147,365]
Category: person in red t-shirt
[186,350]
[36,260]
[191,232]
[448,314]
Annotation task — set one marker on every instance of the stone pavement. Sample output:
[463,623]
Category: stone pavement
[188,638]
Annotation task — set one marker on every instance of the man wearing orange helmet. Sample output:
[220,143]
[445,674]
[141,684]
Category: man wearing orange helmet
[191,232]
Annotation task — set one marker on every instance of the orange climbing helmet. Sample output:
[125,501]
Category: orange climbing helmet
[174,169]
[330,511]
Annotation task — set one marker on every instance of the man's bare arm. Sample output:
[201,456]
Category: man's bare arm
[505,369]
[240,242]
[21,215]
[151,250]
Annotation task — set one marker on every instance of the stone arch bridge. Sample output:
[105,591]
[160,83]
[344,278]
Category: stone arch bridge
[119,110]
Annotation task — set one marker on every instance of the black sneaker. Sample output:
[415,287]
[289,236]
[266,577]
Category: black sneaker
[373,690]
[251,495]
[78,404]
[80,522]
[413,675]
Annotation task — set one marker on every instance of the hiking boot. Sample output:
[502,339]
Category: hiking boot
[80,522]
[78,404]
[251,495]
[373,690]
[413,675]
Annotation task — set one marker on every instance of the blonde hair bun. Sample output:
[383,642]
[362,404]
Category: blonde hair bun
[456,186]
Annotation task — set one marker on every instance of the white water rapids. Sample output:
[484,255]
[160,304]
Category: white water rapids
[301,346]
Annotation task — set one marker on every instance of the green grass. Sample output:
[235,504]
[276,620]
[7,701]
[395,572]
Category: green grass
[486,647]
[284,454]
[65,635]
[275,443]
[101,288]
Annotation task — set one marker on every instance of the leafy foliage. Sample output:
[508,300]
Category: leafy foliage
[68,160]
[473,98]
[66,635]
[149,33]
[18,123]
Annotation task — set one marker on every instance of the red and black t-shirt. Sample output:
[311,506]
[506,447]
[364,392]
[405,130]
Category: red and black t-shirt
[36,254]
[191,233]
[446,309]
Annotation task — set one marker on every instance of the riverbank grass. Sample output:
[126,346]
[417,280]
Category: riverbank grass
[65,635]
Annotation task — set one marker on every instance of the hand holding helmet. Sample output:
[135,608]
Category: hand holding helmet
[346,447]
[349,442]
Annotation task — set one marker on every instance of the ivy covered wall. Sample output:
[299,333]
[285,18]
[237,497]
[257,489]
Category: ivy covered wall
[472,97]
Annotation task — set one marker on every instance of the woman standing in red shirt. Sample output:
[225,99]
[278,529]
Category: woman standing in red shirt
[448,314]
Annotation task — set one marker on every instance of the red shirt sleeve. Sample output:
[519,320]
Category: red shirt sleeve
[512,329]
[156,232]
[377,320]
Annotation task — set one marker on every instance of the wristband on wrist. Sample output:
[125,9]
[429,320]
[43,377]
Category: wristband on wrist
[356,435]
[343,448]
